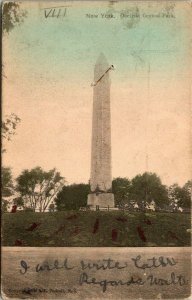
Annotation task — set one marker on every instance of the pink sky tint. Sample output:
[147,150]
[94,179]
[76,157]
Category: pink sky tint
[55,128]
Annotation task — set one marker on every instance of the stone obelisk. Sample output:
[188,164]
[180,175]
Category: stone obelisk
[101,195]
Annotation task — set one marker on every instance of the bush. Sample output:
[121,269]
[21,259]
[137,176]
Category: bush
[72,197]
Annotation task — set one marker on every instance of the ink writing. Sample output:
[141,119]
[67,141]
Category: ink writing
[55,12]
[175,279]
[106,264]
[84,279]
[46,266]
[153,262]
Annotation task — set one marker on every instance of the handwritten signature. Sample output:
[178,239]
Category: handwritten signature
[104,283]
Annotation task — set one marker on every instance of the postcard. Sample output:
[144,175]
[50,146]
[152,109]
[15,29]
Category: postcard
[96,150]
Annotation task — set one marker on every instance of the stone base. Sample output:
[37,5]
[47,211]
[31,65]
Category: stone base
[101,200]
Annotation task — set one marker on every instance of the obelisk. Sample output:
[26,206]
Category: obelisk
[101,195]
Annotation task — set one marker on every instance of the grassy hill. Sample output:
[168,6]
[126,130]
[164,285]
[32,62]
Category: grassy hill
[96,229]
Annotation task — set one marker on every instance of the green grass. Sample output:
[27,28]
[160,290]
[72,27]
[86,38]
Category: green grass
[56,230]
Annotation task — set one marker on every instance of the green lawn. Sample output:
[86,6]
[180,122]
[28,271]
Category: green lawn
[96,229]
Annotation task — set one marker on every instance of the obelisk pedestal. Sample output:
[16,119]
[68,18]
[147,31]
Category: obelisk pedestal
[101,179]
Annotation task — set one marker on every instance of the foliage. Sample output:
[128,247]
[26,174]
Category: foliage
[72,197]
[8,127]
[7,188]
[188,186]
[52,207]
[39,188]
[121,190]
[4,204]
[18,201]
[181,195]
[146,188]
[12,15]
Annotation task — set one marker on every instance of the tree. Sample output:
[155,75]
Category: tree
[7,188]
[4,205]
[39,188]
[188,186]
[72,197]
[186,201]
[181,196]
[18,201]
[146,188]
[8,127]
[121,190]
[12,15]
[172,194]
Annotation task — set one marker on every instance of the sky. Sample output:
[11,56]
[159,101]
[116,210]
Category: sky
[49,64]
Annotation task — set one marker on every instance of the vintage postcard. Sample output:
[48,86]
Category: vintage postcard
[96,149]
